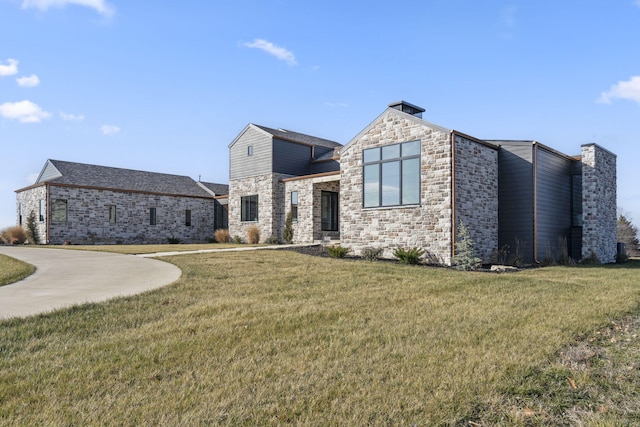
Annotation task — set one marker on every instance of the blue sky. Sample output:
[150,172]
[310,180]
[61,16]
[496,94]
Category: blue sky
[166,86]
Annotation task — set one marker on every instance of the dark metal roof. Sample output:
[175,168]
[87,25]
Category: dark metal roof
[299,137]
[84,175]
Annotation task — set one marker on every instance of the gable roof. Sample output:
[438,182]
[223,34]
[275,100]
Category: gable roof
[84,175]
[215,189]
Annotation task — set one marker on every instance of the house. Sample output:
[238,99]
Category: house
[89,204]
[405,182]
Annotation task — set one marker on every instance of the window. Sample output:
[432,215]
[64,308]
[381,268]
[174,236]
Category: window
[329,211]
[19,213]
[58,210]
[112,214]
[43,209]
[250,150]
[187,217]
[152,216]
[391,175]
[249,208]
[294,205]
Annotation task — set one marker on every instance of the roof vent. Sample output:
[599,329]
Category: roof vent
[405,107]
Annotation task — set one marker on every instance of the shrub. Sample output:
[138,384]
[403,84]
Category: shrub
[237,239]
[371,254]
[592,259]
[273,240]
[173,240]
[548,260]
[564,258]
[621,257]
[287,233]
[408,256]
[517,260]
[222,235]
[15,235]
[253,235]
[32,228]
[465,258]
[337,251]
[499,256]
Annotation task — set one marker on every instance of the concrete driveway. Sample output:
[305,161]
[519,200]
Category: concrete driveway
[67,277]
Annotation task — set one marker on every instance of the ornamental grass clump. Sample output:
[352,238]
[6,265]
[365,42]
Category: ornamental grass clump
[408,256]
[222,235]
[371,254]
[337,251]
[253,235]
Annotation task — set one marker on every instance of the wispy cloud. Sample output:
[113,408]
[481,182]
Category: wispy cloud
[636,2]
[109,130]
[10,68]
[23,111]
[71,117]
[29,81]
[279,52]
[509,16]
[100,6]
[629,89]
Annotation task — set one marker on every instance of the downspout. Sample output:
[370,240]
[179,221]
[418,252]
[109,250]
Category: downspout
[47,212]
[535,203]
[453,194]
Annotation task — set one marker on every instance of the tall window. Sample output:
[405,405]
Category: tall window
[249,208]
[250,150]
[392,175]
[329,211]
[294,205]
[187,217]
[152,216]
[112,214]
[43,209]
[19,213]
[58,210]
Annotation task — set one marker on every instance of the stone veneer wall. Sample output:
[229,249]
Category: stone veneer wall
[476,193]
[599,203]
[30,201]
[427,225]
[271,204]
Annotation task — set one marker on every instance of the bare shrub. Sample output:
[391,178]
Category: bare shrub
[222,235]
[253,235]
[15,235]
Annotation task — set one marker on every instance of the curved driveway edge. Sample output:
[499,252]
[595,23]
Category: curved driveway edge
[68,277]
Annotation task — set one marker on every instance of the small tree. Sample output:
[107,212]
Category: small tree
[32,228]
[628,234]
[287,233]
[465,258]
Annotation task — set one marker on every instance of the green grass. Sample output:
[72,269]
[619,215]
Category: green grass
[12,270]
[147,249]
[275,337]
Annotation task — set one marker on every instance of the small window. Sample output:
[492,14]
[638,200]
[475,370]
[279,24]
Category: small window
[43,209]
[152,216]
[249,208]
[294,205]
[59,210]
[250,150]
[187,217]
[20,214]
[112,214]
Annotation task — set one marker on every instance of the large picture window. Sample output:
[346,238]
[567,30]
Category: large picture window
[249,208]
[391,175]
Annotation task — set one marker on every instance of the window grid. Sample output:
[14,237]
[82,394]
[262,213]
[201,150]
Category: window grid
[249,208]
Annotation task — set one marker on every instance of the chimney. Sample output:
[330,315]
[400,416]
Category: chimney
[405,107]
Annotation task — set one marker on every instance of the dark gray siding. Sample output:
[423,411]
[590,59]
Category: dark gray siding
[554,182]
[290,158]
[241,164]
[325,166]
[515,198]
[49,172]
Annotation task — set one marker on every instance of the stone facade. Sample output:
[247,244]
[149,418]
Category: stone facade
[29,201]
[599,203]
[476,193]
[271,205]
[427,225]
[87,216]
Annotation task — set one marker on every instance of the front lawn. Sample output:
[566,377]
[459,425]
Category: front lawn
[12,270]
[277,337]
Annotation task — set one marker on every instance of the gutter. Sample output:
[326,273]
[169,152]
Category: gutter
[47,212]
[453,194]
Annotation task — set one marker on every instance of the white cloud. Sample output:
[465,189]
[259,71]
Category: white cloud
[637,3]
[629,89]
[509,16]
[101,6]
[109,130]
[71,117]
[272,49]
[10,69]
[24,111]
[30,81]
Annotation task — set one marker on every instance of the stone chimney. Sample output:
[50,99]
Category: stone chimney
[408,108]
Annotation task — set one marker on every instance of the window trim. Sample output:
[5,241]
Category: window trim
[375,163]
[248,206]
